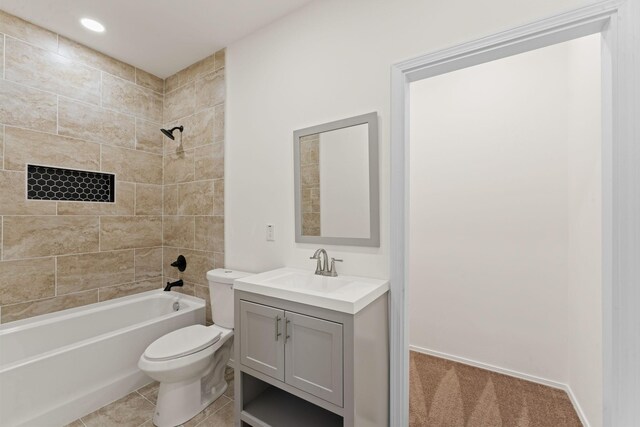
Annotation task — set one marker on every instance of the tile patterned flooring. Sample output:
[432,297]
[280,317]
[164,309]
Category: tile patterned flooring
[136,410]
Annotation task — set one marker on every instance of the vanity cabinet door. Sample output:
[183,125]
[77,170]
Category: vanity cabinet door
[313,355]
[262,343]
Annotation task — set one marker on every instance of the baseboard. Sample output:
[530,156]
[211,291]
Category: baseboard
[511,373]
[493,368]
[576,406]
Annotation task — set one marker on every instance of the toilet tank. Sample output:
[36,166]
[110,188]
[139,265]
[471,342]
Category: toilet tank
[221,295]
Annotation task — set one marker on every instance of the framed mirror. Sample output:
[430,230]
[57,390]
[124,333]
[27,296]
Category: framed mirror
[337,182]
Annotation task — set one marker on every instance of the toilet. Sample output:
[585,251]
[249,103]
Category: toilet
[190,362]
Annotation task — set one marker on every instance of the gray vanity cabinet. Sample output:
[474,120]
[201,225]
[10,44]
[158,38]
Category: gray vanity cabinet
[302,351]
[262,346]
[313,356]
[303,365]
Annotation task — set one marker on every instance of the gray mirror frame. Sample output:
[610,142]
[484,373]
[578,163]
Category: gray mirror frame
[370,119]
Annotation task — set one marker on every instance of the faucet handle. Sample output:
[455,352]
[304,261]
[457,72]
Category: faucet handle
[332,270]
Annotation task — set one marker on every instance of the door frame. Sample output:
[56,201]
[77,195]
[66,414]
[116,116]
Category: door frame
[618,21]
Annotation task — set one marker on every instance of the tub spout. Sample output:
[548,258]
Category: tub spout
[171,285]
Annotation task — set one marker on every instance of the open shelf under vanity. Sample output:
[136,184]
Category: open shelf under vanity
[275,407]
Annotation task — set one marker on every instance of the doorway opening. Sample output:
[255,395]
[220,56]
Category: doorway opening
[505,275]
[618,23]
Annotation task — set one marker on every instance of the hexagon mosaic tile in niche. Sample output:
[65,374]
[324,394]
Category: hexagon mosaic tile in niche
[48,183]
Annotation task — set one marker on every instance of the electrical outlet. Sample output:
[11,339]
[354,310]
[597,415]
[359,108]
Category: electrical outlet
[270,233]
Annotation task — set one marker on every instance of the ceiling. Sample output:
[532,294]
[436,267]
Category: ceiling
[158,36]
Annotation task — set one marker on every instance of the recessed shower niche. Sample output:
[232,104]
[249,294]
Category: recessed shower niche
[50,183]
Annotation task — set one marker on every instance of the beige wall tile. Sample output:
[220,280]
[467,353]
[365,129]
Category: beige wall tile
[179,166]
[218,197]
[50,305]
[148,199]
[170,205]
[218,126]
[218,260]
[148,263]
[132,165]
[311,224]
[148,136]
[1,147]
[203,292]
[220,58]
[210,90]
[127,97]
[124,204]
[198,129]
[186,289]
[95,59]
[195,71]
[173,82]
[49,71]
[13,197]
[209,235]
[112,292]
[179,103]
[149,81]
[95,124]
[310,175]
[39,236]
[178,231]
[90,271]
[27,280]
[23,30]
[209,161]
[25,146]
[198,263]
[195,198]
[27,107]
[126,232]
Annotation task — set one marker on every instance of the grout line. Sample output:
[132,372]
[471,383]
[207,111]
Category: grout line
[218,410]
[4,56]
[55,276]
[145,398]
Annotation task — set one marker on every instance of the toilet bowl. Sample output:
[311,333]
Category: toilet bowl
[189,363]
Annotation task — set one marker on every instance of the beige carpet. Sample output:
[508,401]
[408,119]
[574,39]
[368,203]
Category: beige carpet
[449,394]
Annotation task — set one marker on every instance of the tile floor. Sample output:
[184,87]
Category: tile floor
[136,410]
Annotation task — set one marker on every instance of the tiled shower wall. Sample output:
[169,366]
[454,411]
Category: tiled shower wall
[63,104]
[194,173]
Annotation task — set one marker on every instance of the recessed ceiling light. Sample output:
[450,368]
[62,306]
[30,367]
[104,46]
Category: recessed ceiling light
[93,25]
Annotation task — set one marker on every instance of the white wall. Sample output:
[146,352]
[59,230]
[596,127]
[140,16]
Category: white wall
[585,227]
[344,182]
[327,61]
[505,216]
[488,216]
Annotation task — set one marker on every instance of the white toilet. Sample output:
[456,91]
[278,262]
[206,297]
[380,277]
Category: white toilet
[190,362]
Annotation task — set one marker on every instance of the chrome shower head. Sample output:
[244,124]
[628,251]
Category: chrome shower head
[169,132]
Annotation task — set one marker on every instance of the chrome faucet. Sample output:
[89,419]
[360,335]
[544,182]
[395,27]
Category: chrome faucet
[322,266]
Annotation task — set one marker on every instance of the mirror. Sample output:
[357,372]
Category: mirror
[336,182]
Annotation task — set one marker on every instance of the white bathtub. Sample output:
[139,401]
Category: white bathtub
[58,367]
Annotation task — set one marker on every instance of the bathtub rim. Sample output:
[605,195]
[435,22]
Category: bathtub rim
[32,322]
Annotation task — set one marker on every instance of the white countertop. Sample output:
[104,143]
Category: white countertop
[347,294]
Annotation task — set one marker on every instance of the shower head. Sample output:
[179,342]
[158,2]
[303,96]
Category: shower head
[169,132]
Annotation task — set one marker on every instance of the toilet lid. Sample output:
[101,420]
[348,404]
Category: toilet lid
[182,342]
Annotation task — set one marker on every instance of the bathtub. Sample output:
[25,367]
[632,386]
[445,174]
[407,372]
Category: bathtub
[58,367]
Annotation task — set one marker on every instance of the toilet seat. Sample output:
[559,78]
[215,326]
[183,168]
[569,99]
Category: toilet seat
[182,342]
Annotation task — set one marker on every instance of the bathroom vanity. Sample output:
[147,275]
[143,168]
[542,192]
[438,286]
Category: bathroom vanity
[311,350]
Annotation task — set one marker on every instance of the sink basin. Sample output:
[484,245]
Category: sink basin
[310,282]
[347,294]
